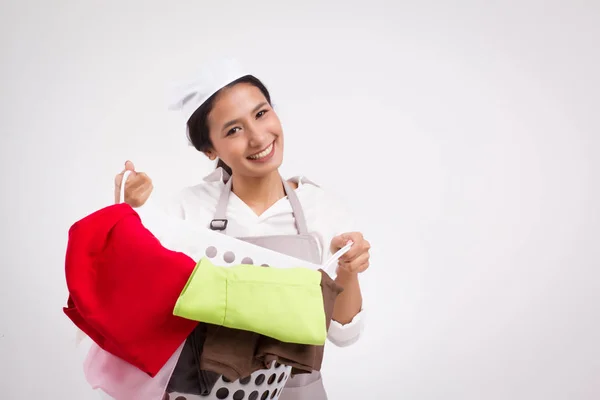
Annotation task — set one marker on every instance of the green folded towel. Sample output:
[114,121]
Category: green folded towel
[283,303]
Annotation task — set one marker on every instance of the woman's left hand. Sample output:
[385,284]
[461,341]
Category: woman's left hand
[356,260]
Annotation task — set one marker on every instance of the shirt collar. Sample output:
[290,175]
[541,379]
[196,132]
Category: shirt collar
[219,174]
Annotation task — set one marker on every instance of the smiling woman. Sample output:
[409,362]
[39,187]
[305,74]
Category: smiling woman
[247,136]
[230,119]
[238,126]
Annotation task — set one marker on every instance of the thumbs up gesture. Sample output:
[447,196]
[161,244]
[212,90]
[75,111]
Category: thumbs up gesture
[137,187]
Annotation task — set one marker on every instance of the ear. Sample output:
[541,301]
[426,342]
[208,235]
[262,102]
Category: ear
[211,155]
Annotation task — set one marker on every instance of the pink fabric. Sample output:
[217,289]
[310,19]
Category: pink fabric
[123,381]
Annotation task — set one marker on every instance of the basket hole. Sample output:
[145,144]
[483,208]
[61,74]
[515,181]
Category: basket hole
[229,257]
[211,252]
[247,261]
[239,395]
[260,379]
[222,393]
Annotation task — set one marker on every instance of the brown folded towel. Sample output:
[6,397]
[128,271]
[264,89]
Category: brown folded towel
[303,359]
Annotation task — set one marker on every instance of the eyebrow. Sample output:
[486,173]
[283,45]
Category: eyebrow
[235,121]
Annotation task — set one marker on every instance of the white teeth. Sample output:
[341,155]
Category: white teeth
[263,153]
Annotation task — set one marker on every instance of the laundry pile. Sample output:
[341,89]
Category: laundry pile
[143,301]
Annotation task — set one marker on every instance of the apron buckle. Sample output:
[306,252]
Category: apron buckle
[220,227]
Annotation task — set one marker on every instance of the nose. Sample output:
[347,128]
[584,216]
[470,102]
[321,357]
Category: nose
[257,137]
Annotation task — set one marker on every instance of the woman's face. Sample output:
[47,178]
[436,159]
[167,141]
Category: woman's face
[245,131]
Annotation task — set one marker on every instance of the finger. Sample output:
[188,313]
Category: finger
[354,269]
[338,242]
[144,178]
[138,178]
[139,196]
[131,195]
[363,267]
[135,189]
[357,261]
[142,188]
[355,264]
[357,249]
[351,269]
[351,254]
[139,185]
[146,193]
[118,179]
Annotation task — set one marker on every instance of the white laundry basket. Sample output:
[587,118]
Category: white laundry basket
[199,241]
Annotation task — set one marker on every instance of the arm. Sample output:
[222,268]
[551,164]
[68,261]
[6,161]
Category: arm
[348,317]
[347,324]
[349,302]
[355,261]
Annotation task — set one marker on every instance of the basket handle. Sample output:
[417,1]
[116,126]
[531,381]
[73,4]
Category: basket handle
[122,194]
[329,265]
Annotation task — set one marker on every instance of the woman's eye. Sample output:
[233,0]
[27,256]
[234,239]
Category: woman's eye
[232,131]
[261,113]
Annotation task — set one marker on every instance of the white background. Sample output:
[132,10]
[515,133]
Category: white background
[464,135]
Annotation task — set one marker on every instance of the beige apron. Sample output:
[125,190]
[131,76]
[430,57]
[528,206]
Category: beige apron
[275,382]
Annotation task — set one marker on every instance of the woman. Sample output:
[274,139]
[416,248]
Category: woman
[230,119]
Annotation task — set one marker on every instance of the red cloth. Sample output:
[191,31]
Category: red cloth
[123,285]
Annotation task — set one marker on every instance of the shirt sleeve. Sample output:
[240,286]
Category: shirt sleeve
[336,220]
[348,334]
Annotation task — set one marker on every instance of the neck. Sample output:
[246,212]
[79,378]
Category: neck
[258,193]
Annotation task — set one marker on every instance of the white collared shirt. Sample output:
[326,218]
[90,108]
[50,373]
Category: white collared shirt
[325,218]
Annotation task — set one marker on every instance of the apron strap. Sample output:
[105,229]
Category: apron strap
[219,222]
[296,208]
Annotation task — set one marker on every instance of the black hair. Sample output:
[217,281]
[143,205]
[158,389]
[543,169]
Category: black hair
[198,132]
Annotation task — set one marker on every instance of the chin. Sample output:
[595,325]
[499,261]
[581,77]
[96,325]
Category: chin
[263,170]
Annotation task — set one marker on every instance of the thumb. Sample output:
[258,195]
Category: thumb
[339,241]
[129,166]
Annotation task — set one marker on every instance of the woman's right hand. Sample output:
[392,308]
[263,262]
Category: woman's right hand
[137,187]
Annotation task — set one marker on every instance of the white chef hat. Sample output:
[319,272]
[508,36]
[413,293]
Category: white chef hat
[209,79]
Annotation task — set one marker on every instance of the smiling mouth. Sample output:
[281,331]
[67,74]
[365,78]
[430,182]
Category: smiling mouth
[264,153]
